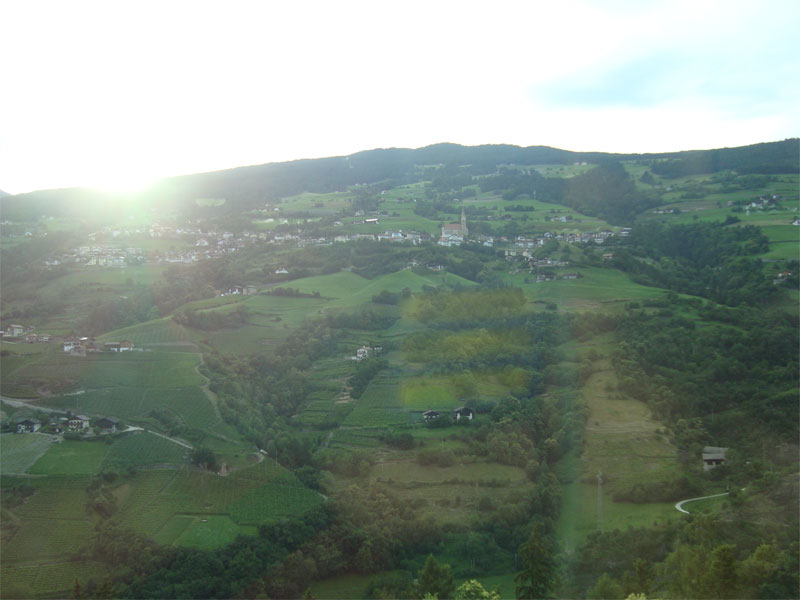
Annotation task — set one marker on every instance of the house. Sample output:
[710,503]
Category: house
[713,456]
[15,330]
[29,426]
[362,353]
[111,346]
[569,276]
[70,343]
[108,424]
[125,345]
[430,415]
[79,423]
[463,413]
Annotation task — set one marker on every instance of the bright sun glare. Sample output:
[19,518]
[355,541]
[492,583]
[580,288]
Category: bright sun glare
[124,182]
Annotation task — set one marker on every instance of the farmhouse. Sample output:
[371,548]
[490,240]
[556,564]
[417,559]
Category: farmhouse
[108,424]
[15,330]
[29,426]
[79,423]
[713,456]
[463,412]
[430,415]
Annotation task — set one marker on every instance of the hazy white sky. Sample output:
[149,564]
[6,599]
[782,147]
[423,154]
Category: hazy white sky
[116,93]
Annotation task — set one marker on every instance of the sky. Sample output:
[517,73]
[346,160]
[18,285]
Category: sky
[117,94]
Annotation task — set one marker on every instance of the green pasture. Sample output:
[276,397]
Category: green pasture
[431,392]
[187,506]
[598,289]
[161,332]
[71,457]
[19,451]
[87,280]
[142,448]
[347,290]
[624,443]
[212,531]
[308,201]
[110,370]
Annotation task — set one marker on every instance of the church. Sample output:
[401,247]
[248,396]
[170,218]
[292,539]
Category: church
[454,233]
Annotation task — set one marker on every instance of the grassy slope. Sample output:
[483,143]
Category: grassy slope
[624,443]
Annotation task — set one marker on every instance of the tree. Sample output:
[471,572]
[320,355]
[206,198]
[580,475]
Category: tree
[77,594]
[473,590]
[537,558]
[606,588]
[436,579]
[205,458]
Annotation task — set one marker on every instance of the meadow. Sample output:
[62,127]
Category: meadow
[626,446]
[202,509]
[71,457]
[20,451]
[140,449]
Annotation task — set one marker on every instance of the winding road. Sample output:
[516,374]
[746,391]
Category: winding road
[680,504]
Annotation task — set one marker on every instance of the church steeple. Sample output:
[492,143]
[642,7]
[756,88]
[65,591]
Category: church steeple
[463,223]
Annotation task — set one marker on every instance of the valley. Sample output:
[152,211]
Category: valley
[315,381]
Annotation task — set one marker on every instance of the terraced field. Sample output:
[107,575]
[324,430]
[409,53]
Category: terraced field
[380,405]
[21,451]
[52,522]
[143,449]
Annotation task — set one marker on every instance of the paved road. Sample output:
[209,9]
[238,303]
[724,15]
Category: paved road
[21,404]
[680,504]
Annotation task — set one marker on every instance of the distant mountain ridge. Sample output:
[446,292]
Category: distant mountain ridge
[251,186]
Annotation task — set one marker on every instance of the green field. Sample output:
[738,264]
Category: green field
[161,332]
[210,532]
[52,579]
[424,393]
[186,506]
[380,405]
[20,451]
[71,457]
[141,449]
[624,443]
[111,370]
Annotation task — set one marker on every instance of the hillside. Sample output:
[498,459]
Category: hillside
[308,377]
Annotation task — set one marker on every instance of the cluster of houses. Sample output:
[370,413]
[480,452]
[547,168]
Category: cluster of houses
[462,412]
[781,277]
[24,333]
[80,346]
[71,423]
[365,352]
